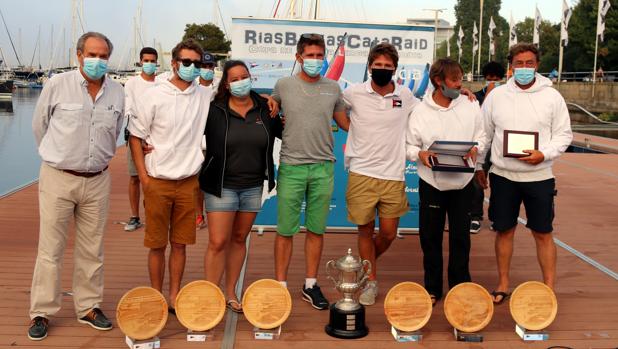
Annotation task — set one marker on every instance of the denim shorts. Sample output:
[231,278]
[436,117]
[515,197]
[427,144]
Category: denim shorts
[242,200]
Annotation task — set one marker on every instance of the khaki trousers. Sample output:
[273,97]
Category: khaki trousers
[63,196]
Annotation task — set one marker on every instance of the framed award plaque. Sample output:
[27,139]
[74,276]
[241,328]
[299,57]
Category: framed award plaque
[515,142]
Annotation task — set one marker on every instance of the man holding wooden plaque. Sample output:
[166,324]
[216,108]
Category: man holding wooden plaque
[527,124]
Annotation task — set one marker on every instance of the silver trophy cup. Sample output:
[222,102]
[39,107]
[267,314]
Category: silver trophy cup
[347,315]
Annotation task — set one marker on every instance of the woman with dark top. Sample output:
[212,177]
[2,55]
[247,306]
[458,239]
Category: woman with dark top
[240,135]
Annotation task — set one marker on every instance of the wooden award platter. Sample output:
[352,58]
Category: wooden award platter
[266,304]
[407,306]
[141,313]
[468,307]
[200,305]
[533,305]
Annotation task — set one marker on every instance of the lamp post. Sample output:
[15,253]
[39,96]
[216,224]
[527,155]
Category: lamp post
[436,12]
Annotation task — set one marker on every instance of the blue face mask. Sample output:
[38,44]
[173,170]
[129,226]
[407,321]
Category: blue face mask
[94,68]
[523,76]
[207,74]
[496,83]
[312,67]
[149,68]
[189,73]
[241,88]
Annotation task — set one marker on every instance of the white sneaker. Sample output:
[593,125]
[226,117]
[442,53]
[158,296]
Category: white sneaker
[369,293]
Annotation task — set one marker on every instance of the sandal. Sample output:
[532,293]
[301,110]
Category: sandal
[237,309]
[496,294]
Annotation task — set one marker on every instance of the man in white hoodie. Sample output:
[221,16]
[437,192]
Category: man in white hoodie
[444,116]
[171,118]
[526,103]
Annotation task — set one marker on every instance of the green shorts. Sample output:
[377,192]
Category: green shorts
[316,181]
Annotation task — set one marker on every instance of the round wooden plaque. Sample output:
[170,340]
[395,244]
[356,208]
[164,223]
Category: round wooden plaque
[200,305]
[468,307]
[141,313]
[266,304]
[407,306]
[533,305]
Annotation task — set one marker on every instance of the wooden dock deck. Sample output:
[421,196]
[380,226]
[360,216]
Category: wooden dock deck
[586,224]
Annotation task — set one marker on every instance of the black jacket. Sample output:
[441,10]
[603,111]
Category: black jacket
[217,125]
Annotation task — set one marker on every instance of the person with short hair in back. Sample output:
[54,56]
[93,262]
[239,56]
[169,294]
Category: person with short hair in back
[171,118]
[134,88]
[309,103]
[444,115]
[375,155]
[528,103]
[76,122]
[240,135]
[493,72]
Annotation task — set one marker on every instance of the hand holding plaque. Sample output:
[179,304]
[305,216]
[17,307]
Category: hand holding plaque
[515,142]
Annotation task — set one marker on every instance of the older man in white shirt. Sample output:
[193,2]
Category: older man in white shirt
[76,123]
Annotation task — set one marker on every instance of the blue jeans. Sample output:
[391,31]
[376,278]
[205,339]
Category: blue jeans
[241,200]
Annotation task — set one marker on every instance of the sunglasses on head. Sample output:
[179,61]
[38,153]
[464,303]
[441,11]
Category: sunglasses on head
[187,62]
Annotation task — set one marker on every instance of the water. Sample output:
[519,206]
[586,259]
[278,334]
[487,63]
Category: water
[19,158]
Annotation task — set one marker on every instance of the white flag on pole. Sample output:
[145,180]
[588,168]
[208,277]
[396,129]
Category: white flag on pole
[564,25]
[490,32]
[448,44]
[512,33]
[537,26]
[460,37]
[603,8]
[475,38]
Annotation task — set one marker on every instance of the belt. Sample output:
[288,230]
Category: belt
[84,174]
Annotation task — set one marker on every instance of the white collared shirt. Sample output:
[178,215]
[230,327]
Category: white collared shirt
[173,122]
[376,145]
[73,132]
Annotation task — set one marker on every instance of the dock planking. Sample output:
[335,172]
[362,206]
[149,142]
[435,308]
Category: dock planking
[587,310]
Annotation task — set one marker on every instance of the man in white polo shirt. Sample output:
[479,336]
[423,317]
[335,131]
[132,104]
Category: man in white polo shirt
[376,156]
[171,118]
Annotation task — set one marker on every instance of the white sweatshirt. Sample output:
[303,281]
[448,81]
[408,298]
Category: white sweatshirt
[429,122]
[539,108]
[173,122]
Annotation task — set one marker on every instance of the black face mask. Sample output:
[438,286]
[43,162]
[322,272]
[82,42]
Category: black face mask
[381,76]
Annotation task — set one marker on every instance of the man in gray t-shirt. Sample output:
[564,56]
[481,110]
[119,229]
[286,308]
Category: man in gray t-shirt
[306,172]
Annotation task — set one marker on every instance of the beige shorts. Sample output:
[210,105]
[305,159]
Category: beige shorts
[366,195]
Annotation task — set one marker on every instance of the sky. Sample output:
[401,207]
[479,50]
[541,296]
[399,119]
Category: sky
[164,20]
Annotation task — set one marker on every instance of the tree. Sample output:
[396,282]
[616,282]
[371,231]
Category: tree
[579,55]
[466,12]
[209,36]
[549,38]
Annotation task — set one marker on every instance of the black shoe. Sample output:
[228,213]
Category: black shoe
[171,310]
[315,297]
[38,328]
[97,320]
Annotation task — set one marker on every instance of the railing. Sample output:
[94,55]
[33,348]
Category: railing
[586,76]
[582,109]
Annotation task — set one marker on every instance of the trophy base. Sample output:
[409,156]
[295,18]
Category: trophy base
[528,335]
[347,324]
[474,337]
[200,336]
[152,343]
